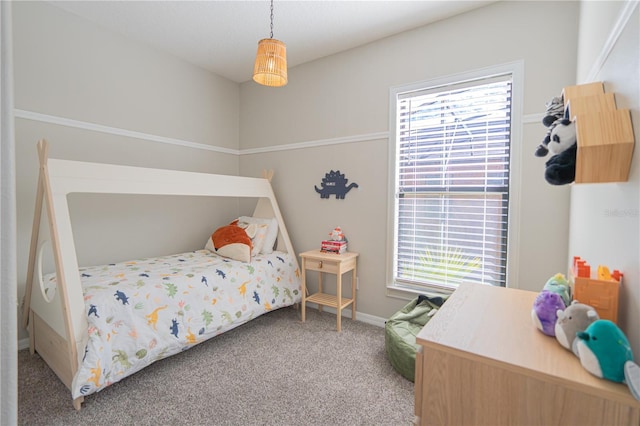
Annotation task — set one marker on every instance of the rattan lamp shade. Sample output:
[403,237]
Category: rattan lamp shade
[271,63]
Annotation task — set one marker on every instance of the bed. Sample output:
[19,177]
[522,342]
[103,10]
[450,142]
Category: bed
[97,325]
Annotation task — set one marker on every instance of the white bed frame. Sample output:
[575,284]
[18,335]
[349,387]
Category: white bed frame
[58,327]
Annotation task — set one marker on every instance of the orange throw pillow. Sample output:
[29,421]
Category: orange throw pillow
[233,242]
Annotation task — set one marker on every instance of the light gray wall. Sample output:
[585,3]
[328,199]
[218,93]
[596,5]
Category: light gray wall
[593,37]
[347,95]
[69,68]
[605,217]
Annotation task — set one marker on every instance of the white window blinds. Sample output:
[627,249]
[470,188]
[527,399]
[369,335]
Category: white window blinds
[452,184]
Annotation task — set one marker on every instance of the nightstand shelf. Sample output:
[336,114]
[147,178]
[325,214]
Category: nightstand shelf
[329,300]
[330,263]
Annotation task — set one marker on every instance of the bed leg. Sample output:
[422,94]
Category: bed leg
[77,403]
[32,337]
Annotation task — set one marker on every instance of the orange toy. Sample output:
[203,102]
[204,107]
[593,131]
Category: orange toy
[601,293]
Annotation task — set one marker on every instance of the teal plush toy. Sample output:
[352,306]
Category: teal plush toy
[605,352]
[558,284]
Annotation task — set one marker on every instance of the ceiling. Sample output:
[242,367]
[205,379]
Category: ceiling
[222,36]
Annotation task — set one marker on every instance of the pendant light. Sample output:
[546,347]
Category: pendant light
[270,68]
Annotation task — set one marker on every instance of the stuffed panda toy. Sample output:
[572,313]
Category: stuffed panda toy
[560,169]
[560,140]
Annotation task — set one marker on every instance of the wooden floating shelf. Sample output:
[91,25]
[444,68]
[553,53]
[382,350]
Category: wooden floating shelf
[604,134]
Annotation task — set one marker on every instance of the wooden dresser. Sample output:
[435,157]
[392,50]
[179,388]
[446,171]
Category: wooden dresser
[482,361]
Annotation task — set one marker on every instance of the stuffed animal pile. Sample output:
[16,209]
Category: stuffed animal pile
[560,140]
[555,296]
[600,345]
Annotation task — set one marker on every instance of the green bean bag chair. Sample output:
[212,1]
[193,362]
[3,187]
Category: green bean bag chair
[401,330]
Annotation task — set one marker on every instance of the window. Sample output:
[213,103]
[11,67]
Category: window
[451,154]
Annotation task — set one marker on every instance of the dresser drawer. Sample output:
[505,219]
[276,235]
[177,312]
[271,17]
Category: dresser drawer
[328,266]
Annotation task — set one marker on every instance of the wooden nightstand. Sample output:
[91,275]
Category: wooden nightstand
[329,263]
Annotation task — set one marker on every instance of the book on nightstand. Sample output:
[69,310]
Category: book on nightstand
[330,246]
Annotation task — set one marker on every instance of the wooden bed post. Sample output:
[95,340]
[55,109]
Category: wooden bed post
[267,174]
[35,231]
[44,195]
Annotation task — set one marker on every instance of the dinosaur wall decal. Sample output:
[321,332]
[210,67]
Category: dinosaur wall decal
[335,183]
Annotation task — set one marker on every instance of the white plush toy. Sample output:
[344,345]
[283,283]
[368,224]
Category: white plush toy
[337,235]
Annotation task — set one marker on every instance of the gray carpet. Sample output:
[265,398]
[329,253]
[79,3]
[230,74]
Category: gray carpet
[274,370]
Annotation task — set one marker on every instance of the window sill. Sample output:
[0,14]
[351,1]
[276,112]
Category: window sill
[408,293]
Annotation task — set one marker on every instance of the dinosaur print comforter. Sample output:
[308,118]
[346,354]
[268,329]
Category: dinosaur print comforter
[142,311]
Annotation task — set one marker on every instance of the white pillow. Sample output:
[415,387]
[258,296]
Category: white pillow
[257,236]
[268,238]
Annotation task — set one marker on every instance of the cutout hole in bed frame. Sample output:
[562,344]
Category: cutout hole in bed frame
[47,293]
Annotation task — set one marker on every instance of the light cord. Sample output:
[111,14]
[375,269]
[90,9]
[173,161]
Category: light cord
[271,18]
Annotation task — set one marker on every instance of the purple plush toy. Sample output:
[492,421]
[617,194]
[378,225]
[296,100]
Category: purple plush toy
[544,312]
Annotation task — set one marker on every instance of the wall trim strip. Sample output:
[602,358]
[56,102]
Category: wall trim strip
[61,121]
[318,143]
[614,35]
[533,118]
[365,137]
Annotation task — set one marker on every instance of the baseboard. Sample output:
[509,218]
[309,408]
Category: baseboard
[360,316]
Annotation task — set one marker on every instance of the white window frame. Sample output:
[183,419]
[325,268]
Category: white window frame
[516,69]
